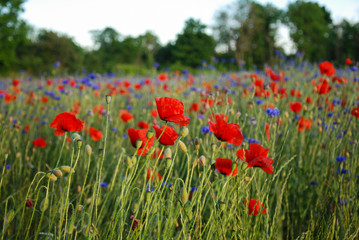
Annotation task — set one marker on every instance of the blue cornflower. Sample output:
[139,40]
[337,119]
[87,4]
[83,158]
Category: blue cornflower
[272,112]
[342,171]
[200,116]
[340,159]
[104,184]
[258,102]
[313,183]
[205,129]
[342,202]
[252,140]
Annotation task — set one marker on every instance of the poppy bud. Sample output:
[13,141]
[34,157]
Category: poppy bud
[79,208]
[148,196]
[57,173]
[44,204]
[196,143]
[88,201]
[286,114]
[88,149]
[247,179]
[6,156]
[168,162]
[350,134]
[79,189]
[108,99]
[214,147]
[184,132]
[75,137]
[66,169]
[51,176]
[202,159]
[347,154]
[29,203]
[182,146]
[184,195]
[222,205]
[135,207]
[168,153]
[200,121]
[232,112]
[129,162]
[10,216]
[149,134]
[139,143]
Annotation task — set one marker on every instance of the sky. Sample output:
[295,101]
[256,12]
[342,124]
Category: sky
[165,18]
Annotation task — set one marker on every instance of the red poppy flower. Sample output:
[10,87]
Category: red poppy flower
[227,132]
[267,131]
[143,125]
[171,110]
[66,122]
[355,112]
[224,166]
[194,107]
[163,77]
[157,154]
[323,88]
[326,68]
[256,156]
[15,82]
[125,115]
[168,137]
[254,206]
[303,124]
[348,61]
[295,107]
[39,142]
[139,134]
[95,134]
[44,99]
[151,174]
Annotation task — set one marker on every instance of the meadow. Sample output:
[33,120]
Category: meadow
[211,155]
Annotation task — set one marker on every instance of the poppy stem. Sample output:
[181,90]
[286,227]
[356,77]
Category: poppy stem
[62,148]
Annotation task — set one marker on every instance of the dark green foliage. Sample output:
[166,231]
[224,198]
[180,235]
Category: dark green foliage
[310,29]
[193,45]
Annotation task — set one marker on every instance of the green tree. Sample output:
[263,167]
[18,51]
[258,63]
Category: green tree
[51,47]
[310,29]
[150,45]
[12,33]
[246,30]
[193,45]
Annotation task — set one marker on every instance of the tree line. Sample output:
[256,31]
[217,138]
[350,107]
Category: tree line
[244,35]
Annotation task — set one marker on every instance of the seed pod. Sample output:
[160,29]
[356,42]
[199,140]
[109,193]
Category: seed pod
[57,173]
[79,208]
[44,204]
[79,143]
[66,169]
[184,132]
[149,134]
[51,176]
[182,146]
[76,137]
[184,195]
[88,149]
[234,166]
[108,99]
[139,143]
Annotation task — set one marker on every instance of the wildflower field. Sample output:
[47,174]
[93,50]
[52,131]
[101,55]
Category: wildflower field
[211,155]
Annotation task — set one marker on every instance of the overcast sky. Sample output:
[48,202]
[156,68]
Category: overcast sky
[134,17]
